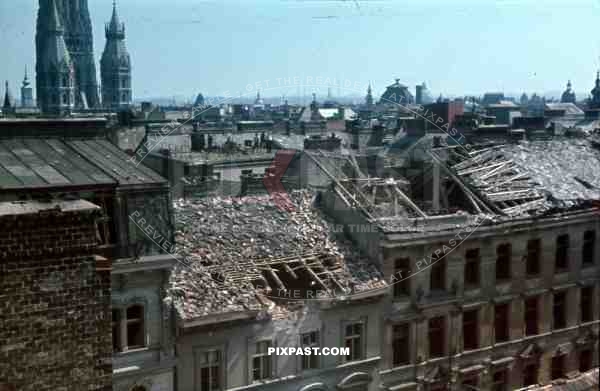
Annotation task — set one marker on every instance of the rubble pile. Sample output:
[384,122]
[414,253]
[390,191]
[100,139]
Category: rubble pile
[222,239]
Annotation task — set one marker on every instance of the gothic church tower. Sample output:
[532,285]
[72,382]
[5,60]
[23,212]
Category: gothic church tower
[54,67]
[115,67]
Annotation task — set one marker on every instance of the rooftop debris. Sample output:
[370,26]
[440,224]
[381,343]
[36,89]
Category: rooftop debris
[244,254]
[533,177]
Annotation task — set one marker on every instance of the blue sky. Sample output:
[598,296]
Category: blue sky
[181,47]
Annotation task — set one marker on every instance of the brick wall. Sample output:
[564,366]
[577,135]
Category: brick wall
[55,326]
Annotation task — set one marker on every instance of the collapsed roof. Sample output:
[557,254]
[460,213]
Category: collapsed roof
[247,254]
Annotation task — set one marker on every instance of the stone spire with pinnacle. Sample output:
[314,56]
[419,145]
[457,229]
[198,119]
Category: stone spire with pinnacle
[369,98]
[595,101]
[54,67]
[8,104]
[115,66]
[26,92]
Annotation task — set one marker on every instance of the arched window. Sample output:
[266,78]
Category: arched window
[65,81]
[65,99]
[124,97]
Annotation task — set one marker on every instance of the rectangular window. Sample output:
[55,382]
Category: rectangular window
[587,309]
[262,361]
[589,245]
[500,380]
[558,310]
[503,258]
[135,327]
[585,360]
[438,275]
[353,340]
[501,329]
[116,330]
[209,370]
[310,340]
[562,252]
[533,257]
[400,344]
[531,316]
[401,277]
[558,367]
[470,330]
[437,337]
[530,374]
[472,262]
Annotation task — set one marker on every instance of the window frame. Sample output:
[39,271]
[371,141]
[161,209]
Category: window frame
[557,363]
[220,350]
[475,262]
[123,329]
[532,264]
[405,347]
[438,273]
[309,358]
[506,266]
[587,259]
[506,325]
[561,253]
[563,316]
[432,353]
[402,287]
[263,358]
[589,309]
[531,363]
[527,310]
[362,339]
[475,331]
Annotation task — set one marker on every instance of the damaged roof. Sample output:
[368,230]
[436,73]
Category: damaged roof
[241,253]
[29,163]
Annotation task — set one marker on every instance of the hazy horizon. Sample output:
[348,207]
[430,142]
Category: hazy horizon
[184,47]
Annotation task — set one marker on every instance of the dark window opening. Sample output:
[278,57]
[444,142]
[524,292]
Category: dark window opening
[558,310]
[589,245]
[400,345]
[531,316]
[438,275]
[503,258]
[472,262]
[116,330]
[500,380]
[135,326]
[562,252]
[530,374]
[401,277]
[558,367]
[533,257]
[587,309]
[437,337]
[470,330]
[585,360]
[501,327]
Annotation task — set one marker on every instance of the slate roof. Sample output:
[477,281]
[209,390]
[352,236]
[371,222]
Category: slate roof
[31,163]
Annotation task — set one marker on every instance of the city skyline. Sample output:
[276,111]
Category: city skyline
[213,47]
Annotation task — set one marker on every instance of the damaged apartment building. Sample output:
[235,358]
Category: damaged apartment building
[463,268]
[66,197]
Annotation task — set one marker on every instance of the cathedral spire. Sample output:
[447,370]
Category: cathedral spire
[7,97]
[115,66]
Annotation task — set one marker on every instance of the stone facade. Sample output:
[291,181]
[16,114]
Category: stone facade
[236,344]
[55,317]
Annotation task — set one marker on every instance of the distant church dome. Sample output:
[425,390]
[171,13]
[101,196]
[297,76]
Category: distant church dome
[397,93]
[568,96]
[199,100]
